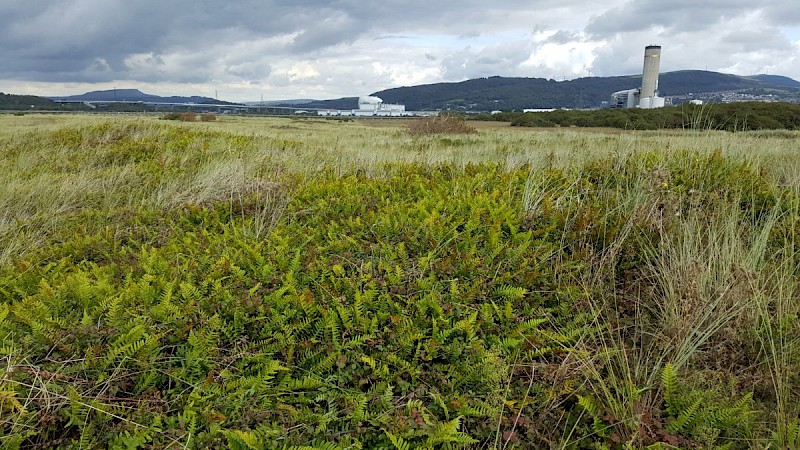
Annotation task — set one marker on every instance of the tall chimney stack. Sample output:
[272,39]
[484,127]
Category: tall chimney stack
[652,61]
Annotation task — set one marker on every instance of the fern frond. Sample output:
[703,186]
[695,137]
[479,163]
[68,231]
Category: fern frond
[530,325]
[447,433]
[241,440]
[669,379]
[126,345]
[686,418]
[513,293]
[589,405]
[398,442]
[360,408]
[468,325]
[308,383]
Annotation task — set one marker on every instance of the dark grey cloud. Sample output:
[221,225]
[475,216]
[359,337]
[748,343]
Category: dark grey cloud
[48,40]
[335,28]
[679,15]
[784,13]
[740,36]
[756,40]
[563,37]
[636,16]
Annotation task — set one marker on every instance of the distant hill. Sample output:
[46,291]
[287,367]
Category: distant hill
[11,102]
[135,95]
[486,94]
[503,93]
[339,103]
[777,80]
[293,102]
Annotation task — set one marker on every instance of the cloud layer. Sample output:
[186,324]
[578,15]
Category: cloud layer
[325,49]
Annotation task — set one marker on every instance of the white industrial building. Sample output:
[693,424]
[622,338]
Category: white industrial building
[371,106]
[374,106]
[645,97]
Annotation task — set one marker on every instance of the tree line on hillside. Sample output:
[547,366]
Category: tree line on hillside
[11,102]
[504,93]
[722,116]
[21,103]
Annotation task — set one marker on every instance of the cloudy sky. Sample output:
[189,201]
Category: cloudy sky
[281,49]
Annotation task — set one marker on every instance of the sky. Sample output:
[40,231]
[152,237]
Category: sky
[245,50]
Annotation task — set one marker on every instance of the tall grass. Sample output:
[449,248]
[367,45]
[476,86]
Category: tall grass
[716,266]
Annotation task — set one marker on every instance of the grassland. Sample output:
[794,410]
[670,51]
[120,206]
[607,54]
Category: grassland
[277,283]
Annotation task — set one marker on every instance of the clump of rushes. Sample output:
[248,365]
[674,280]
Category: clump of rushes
[444,123]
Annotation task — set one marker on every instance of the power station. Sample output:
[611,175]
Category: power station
[645,97]
[371,106]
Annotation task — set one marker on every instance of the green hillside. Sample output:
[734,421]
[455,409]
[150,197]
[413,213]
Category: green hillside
[501,93]
[25,102]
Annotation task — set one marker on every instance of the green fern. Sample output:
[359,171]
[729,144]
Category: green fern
[242,440]
[125,346]
[588,404]
[669,380]
[599,427]
[448,433]
[319,446]
[788,437]
[704,415]
[686,418]
[398,442]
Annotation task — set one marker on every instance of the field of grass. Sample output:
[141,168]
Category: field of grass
[258,283]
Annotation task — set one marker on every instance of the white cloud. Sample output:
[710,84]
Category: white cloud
[303,70]
[564,58]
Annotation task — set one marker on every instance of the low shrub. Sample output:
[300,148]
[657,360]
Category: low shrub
[208,117]
[443,123]
[723,116]
[187,116]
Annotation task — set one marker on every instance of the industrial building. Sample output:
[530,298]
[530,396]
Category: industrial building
[371,106]
[645,97]
[374,106]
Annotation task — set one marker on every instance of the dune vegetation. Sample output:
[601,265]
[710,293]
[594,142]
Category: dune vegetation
[255,283]
[744,116]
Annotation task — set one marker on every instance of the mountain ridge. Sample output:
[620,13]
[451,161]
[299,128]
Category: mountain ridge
[490,93]
[135,95]
[516,93]
[777,80]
